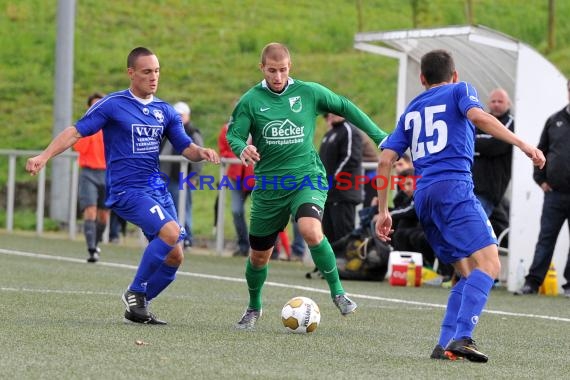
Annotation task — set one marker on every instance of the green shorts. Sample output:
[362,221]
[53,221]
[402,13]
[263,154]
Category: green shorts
[271,210]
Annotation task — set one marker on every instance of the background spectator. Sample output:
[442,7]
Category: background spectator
[172,169]
[341,152]
[369,154]
[403,163]
[492,163]
[117,228]
[92,187]
[239,194]
[554,180]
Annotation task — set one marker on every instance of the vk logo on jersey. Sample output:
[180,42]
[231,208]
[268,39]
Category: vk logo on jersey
[146,138]
[283,132]
[158,115]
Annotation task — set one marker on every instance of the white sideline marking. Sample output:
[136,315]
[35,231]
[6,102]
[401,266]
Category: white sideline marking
[234,279]
[55,291]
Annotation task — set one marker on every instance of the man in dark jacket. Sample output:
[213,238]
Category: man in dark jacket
[554,180]
[341,152]
[492,164]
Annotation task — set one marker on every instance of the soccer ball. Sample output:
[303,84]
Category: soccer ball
[301,315]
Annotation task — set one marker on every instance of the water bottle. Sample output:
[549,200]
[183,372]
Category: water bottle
[520,274]
[411,274]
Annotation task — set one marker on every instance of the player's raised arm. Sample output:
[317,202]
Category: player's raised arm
[340,105]
[489,124]
[384,221]
[63,141]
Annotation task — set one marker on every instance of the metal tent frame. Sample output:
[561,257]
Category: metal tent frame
[489,59]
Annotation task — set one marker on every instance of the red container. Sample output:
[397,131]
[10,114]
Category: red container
[399,273]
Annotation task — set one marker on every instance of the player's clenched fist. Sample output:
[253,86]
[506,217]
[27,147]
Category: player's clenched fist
[35,164]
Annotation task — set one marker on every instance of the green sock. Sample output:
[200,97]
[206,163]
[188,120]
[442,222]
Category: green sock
[255,278]
[324,259]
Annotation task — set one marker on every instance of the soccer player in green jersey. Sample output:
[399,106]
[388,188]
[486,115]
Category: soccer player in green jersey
[280,114]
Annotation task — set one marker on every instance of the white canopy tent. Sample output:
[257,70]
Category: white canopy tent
[489,59]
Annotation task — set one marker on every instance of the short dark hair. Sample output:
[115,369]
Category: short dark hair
[275,51]
[93,96]
[136,53]
[437,66]
[406,157]
[407,172]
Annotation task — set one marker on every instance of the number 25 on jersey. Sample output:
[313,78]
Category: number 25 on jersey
[429,127]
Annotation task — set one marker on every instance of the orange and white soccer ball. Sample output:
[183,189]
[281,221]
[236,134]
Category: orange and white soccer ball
[301,315]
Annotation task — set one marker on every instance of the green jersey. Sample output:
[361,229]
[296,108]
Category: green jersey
[282,126]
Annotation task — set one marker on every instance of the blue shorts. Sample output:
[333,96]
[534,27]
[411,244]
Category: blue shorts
[150,210]
[453,220]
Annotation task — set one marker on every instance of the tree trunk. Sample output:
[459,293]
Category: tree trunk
[551,25]
[469,12]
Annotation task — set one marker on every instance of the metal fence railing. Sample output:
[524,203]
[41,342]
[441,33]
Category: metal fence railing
[12,155]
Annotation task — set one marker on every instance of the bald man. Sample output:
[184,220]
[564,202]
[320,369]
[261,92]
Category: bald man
[492,163]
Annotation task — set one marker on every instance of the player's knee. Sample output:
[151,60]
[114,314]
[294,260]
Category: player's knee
[90,213]
[170,233]
[496,268]
[313,236]
[492,267]
[259,258]
[309,219]
[103,216]
[175,257]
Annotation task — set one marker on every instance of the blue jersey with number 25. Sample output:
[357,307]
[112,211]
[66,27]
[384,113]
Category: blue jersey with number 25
[440,137]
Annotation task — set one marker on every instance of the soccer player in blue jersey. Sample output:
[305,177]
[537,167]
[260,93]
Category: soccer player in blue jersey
[439,128]
[134,122]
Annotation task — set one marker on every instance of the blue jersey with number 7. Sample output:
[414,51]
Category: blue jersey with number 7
[440,137]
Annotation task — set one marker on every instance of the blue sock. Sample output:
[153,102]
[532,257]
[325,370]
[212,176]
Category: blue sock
[449,322]
[159,280]
[151,260]
[475,295]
